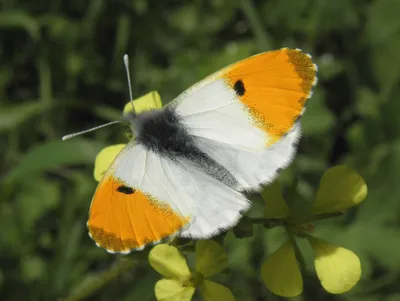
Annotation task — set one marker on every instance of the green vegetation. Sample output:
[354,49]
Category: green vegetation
[61,71]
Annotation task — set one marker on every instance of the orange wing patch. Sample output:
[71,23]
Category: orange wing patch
[274,87]
[122,218]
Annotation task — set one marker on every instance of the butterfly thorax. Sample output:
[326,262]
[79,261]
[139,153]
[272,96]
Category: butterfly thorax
[163,132]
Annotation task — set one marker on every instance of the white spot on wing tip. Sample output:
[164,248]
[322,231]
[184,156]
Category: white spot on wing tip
[157,242]
[140,248]
[315,81]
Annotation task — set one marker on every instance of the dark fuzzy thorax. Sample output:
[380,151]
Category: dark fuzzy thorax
[162,132]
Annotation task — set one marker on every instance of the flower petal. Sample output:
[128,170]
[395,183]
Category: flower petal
[146,102]
[169,262]
[275,204]
[211,258]
[340,188]
[213,291]
[173,290]
[104,159]
[337,268]
[281,272]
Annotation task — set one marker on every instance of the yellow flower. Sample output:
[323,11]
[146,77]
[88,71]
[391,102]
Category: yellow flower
[337,268]
[106,156]
[179,283]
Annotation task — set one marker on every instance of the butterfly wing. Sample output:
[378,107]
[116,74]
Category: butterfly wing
[246,115]
[253,168]
[144,198]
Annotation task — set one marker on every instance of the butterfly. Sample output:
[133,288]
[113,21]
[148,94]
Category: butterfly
[186,170]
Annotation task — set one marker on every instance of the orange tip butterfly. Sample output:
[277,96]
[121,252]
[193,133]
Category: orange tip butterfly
[190,162]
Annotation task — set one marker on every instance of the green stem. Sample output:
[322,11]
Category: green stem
[297,252]
[291,194]
[268,222]
[377,284]
[96,284]
[324,216]
[45,92]
[258,28]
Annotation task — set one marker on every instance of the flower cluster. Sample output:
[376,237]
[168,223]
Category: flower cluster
[179,282]
[337,268]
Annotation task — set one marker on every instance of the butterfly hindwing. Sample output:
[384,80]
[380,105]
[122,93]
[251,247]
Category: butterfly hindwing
[123,216]
[144,198]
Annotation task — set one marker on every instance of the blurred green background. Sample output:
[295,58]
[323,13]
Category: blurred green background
[61,71]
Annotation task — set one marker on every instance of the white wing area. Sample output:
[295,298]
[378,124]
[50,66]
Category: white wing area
[223,129]
[253,168]
[212,205]
[214,112]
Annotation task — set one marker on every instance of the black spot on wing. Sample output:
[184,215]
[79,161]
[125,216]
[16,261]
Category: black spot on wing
[239,87]
[125,189]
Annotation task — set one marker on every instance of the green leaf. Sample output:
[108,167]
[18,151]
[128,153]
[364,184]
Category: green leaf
[385,61]
[382,20]
[356,136]
[338,269]
[340,188]
[281,273]
[20,19]
[244,229]
[169,262]
[275,204]
[93,282]
[54,154]
[384,245]
[213,291]
[12,116]
[383,173]
[185,18]
[329,67]
[1,278]
[33,267]
[317,119]
[173,290]
[34,199]
[367,103]
[143,286]
[210,258]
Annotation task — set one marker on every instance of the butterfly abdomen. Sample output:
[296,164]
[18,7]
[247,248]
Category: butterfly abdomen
[162,132]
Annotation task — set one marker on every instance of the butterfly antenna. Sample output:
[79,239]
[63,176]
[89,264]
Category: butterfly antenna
[89,130]
[126,63]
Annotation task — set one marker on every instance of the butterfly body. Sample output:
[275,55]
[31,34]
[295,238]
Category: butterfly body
[187,168]
[163,132]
